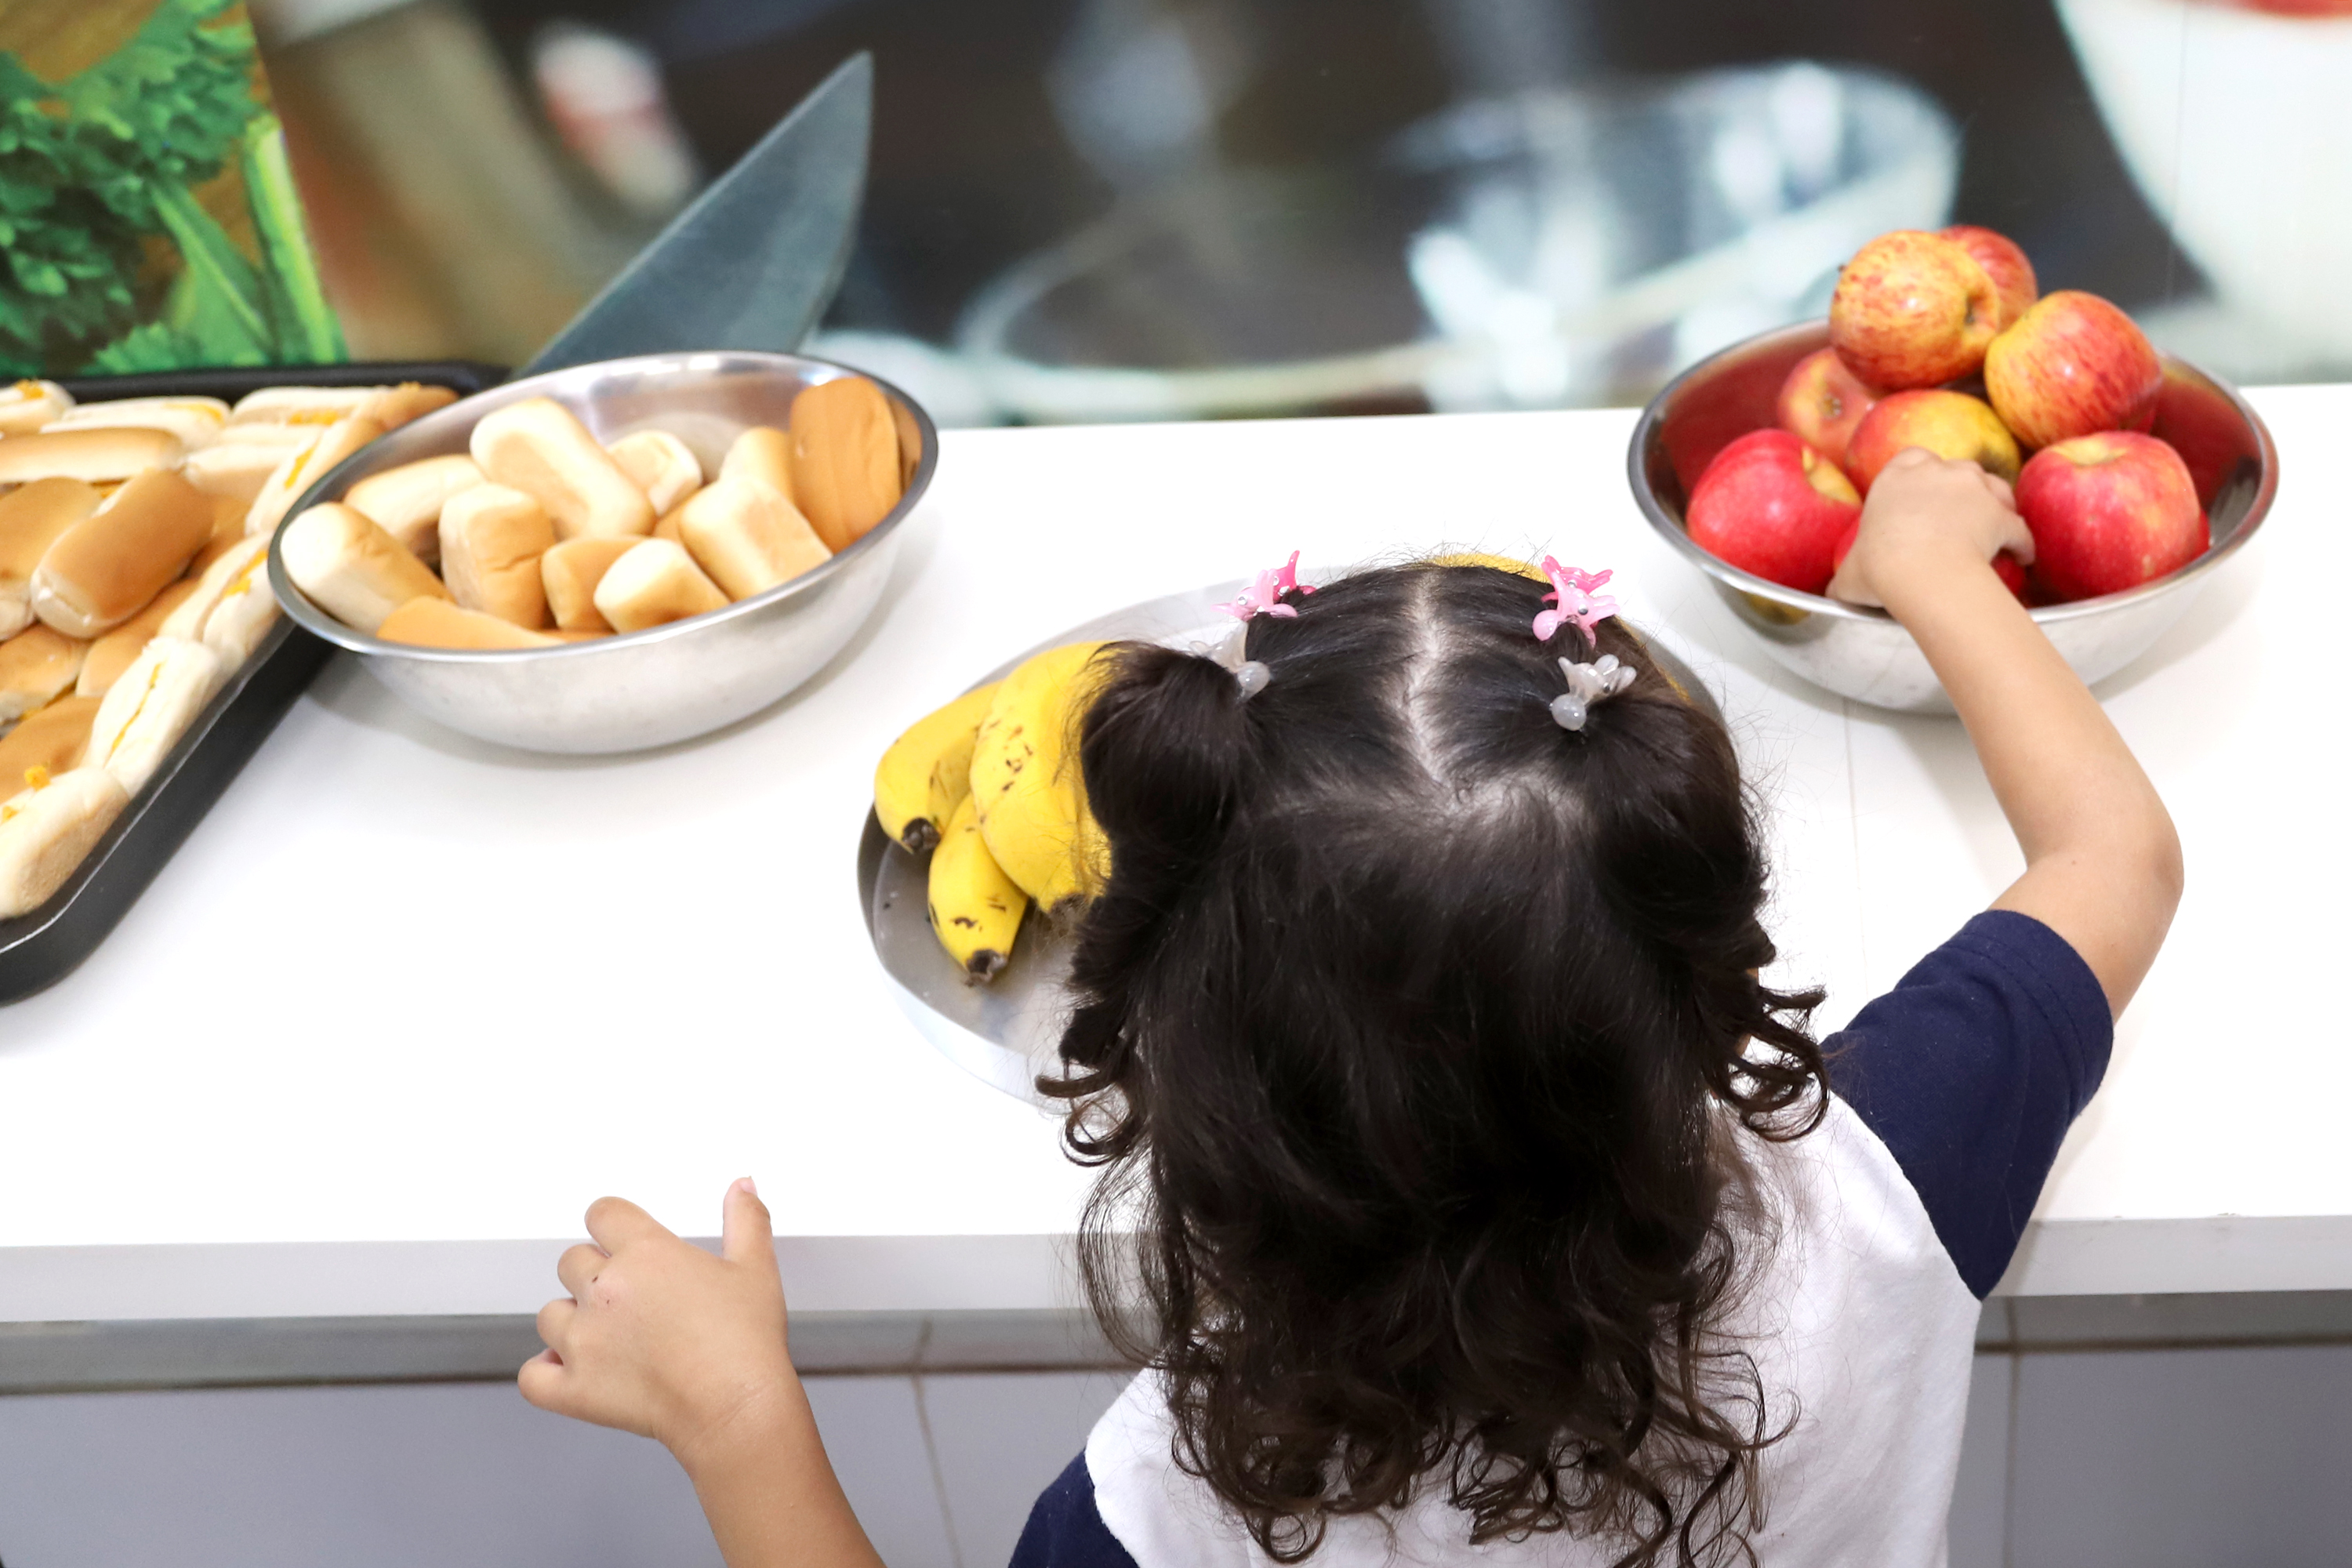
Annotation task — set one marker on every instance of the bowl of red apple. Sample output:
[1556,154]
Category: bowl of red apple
[2137,473]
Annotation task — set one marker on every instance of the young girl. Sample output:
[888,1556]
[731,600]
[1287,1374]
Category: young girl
[1486,1205]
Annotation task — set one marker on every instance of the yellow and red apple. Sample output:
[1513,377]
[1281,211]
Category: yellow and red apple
[2004,262]
[1913,309]
[2109,512]
[1770,504]
[2072,365]
[1948,424]
[1821,402]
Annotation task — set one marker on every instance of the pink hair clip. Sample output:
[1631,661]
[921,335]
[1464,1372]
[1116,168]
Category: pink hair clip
[1574,602]
[1263,597]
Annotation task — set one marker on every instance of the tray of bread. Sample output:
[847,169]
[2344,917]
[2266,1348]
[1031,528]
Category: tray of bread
[142,657]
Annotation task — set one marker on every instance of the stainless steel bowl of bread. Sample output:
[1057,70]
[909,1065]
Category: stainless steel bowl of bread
[616,555]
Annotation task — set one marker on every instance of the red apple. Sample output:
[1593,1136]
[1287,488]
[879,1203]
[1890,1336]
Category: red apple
[2005,566]
[1821,402]
[1913,309]
[1771,505]
[2004,263]
[2109,512]
[2070,366]
[1948,424]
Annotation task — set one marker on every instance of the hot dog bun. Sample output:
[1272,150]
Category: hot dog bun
[491,540]
[103,570]
[352,568]
[36,667]
[238,470]
[27,406]
[653,585]
[390,407]
[46,830]
[54,738]
[570,573]
[844,459]
[31,518]
[228,530]
[538,448]
[762,453]
[302,469]
[243,614]
[96,457]
[111,655]
[186,618]
[195,420]
[437,623]
[406,501]
[659,464]
[747,537]
[150,707]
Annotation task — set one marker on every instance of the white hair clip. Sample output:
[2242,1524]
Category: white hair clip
[1587,684]
[1232,651]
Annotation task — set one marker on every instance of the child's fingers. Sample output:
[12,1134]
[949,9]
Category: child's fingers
[747,1235]
[542,1382]
[555,1323]
[617,1221]
[578,1265]
[2018,540]
[2001,489]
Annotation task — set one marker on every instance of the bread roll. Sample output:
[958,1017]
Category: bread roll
[195,420]
[747,537]
[844,459]
[437,623]
[54,738]
[570,573]
[237,470]
[37,666]
[150,707]
[390,407]
[31,518]
[406,501]
[104,569]
[659,464]
[491,540]
[538,447]
[46,830]
[655,584]
[244,614]
[228,530]
[667,527]
[352,568]
[111,655]
[186,619]
[98,456]
[303,468]
[27,406]
[762,453]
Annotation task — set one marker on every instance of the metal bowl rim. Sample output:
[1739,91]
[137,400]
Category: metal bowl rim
[1722,572]
[298,604]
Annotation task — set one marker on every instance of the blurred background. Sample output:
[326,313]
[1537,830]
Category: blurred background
[1117,209]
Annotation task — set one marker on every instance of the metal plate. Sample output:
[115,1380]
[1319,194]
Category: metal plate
[1009,1031]
[41,947]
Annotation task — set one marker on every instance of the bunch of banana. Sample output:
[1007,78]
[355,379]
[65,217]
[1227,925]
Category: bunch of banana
[990,785]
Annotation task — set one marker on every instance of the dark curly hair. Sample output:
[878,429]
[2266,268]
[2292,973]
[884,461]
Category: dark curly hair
[1411,1029]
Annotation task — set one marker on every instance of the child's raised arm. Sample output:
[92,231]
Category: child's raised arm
[659,1338]
[2102,860]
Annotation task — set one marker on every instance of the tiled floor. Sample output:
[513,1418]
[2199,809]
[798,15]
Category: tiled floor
[2207,1457]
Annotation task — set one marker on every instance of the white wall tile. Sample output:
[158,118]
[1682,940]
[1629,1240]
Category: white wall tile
[451,1474]
[1001,1437]
[1980,1498]
[2182,1459]
[875,1438]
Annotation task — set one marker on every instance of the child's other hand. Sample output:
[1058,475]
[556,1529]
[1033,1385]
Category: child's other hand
[1927,514]
[659,1337]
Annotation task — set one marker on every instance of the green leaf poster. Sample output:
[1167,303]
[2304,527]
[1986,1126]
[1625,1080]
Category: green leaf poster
[147,217]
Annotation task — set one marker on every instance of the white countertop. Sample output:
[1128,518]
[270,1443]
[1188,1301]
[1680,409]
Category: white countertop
[404,1002]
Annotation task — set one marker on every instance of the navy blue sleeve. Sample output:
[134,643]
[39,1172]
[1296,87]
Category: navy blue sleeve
[1066,1531]
[1972,1069]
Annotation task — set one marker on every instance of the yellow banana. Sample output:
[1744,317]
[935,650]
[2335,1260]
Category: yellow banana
[928,769]
[1026,789]
[975,908]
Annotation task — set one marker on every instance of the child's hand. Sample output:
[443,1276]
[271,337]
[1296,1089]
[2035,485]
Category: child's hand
[1925,516]
[659,1338]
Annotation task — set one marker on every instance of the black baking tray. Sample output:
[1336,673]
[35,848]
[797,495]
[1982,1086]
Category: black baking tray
[42,948]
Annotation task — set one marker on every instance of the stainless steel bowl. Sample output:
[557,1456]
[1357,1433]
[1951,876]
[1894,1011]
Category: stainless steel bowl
[668,683]
[1863,652]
